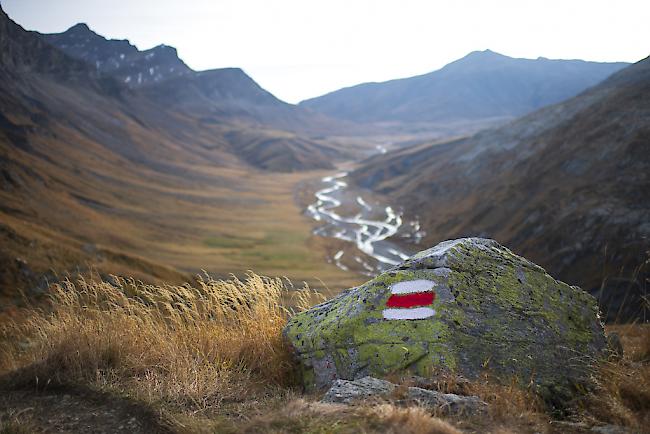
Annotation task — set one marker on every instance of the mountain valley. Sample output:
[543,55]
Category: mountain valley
[95,175]
[463,251]
[127,161]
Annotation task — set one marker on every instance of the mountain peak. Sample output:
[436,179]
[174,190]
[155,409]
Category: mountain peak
[118,57]
[485,54]
[79,28]
[162,49]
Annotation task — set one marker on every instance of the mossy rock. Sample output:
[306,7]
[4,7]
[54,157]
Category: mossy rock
[491,311]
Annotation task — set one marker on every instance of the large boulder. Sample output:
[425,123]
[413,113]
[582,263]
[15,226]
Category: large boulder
[465,306]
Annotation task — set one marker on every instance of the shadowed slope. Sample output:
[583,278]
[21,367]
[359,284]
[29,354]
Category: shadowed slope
[567,186]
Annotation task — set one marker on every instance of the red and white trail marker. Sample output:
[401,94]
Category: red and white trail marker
[410,299]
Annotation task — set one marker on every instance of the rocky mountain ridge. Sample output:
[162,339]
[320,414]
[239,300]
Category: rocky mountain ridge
[119,58]
[214,95]
[482,86]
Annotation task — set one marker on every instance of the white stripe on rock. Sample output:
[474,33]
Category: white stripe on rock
[415,313]
[411,286]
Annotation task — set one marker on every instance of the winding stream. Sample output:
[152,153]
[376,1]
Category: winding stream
[369,230]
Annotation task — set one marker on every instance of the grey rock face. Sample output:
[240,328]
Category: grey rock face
[464,306]
[347,392]
[447,402]
[610,429]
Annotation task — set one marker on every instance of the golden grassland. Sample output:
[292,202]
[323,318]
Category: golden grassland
[209,357]
[98,189]
[165,231]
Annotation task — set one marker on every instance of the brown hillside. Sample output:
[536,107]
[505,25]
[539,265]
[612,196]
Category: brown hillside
[567,186]
[96,175]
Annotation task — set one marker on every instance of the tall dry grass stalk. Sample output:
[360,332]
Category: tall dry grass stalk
[195,346]
[622,393]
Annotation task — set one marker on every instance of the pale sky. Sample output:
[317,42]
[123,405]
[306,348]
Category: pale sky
[299,49]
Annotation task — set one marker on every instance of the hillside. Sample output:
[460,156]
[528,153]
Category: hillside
[567,186]
[482,86]
[97,175]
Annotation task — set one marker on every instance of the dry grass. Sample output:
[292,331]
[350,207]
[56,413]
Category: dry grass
[511,407]
[635,339]
[14,423]
[622,394]
[210,358]
[299,415]
[15,427]
[388,418]
[194,353]
[194,347]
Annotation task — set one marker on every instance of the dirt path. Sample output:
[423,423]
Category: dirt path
[74,411]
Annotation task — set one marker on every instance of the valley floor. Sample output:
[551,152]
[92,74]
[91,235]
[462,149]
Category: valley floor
[169,232]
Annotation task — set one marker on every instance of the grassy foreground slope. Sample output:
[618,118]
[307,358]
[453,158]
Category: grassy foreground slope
[210,358]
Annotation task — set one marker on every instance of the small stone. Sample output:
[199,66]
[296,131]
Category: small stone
[448,403]
[347,392]
[568,426]
[610,429]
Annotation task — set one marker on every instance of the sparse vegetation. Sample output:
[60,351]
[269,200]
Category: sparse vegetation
[15,424]
[209,357]
[192,347]
[622,394]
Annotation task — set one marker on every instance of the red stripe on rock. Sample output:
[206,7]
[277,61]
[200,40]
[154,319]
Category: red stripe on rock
[411,300]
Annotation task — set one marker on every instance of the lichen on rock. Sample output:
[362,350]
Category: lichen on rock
[491,311]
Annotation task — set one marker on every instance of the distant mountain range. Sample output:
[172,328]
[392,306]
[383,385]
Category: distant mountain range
[482,86]
[220,110]
[478,90]
[567,186]
[217,95]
